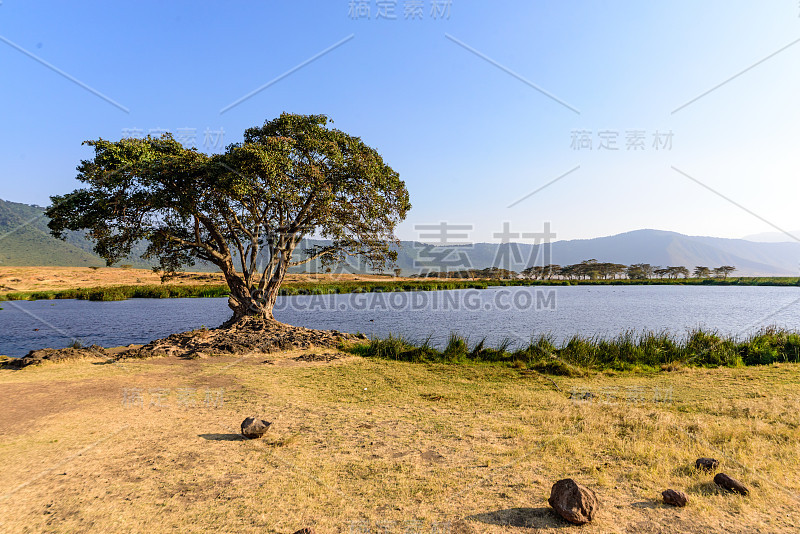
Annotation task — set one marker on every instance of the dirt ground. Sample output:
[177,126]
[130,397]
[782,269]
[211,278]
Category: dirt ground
[56,278]
[360,445]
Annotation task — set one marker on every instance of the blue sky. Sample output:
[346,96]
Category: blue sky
[469,137]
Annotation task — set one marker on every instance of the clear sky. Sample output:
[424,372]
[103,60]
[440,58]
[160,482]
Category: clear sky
[476,104]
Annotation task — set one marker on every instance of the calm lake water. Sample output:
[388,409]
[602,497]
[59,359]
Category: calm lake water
[494,313]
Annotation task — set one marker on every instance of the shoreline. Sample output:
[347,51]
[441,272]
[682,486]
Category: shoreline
[325,287]
[647,350]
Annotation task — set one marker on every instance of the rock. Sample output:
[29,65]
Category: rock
[253,428]
[575,503]
[675,498]
[706,464]
[247,336]
[730,484]
[36,357]
[306,530]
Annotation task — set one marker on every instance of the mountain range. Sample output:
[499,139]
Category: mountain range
[25,240]
[775,237]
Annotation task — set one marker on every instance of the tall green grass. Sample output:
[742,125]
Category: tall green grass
[123,292]
[627,351]
[184,291]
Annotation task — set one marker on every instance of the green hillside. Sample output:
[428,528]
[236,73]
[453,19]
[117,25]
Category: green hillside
[25,240]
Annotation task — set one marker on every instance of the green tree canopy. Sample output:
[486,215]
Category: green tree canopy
[640,271]
[245,210]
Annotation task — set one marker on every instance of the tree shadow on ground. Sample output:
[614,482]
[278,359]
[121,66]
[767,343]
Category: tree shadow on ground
[223,437]
[543,517]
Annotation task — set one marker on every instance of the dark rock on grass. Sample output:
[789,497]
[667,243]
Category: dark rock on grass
[253,428]
[575,503]
[706,464]
[730,484]
[306,530]
[36,357]
[675,498]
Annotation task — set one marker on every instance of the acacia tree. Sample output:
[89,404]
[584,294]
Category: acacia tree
[683,271]
[727,269]
[640,271]
[701,271]
[723,271]
[245,211]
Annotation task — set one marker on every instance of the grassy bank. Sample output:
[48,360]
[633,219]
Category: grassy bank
[372,445]
[630,350]
[122,292]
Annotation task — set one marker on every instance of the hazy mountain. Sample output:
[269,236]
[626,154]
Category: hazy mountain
[656,247]
[663,248]
[774,237]
[25,240]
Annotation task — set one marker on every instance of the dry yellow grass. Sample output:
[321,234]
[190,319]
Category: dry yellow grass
[361,442]
[59,278]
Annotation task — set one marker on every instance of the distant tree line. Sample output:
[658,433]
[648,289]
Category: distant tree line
[589,270]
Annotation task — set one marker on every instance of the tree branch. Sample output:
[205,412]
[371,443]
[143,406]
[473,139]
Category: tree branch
[328,250]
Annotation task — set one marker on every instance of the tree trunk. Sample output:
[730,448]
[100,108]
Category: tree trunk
[273,286]
[244,302]
[240,301]
[250,302]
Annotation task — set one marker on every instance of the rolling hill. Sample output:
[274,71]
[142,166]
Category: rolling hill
[25,240]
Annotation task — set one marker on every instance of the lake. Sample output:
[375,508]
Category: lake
[494,313]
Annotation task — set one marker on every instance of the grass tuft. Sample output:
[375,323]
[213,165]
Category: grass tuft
[649,351]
